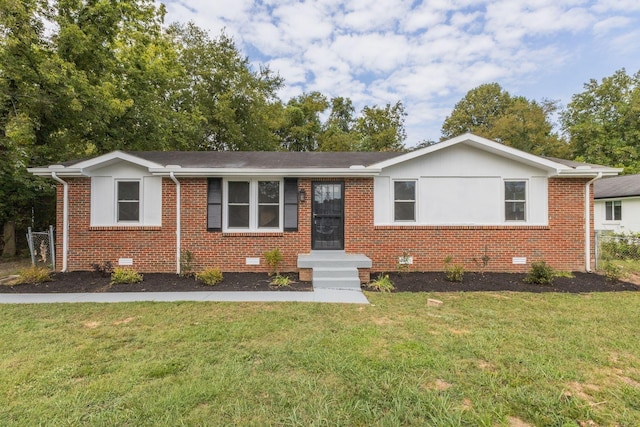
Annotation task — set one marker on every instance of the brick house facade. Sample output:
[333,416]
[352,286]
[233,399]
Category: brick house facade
[487,206]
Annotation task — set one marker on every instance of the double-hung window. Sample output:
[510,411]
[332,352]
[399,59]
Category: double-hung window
[404,200]
[128,201]
[613,210]
[515,200]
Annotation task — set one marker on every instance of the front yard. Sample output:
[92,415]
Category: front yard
[493,358]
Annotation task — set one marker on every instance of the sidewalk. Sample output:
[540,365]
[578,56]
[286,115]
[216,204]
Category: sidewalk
[318,295]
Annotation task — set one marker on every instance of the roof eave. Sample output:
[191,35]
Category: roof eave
[295,172]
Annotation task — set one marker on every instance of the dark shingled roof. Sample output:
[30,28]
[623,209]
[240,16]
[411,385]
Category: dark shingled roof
[617,186]
[263,159]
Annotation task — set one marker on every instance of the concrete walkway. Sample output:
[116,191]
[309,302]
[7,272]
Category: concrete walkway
[318,295]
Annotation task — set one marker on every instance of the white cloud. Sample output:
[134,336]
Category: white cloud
[426,53]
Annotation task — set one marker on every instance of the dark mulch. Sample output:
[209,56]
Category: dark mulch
[473,282]
[84,281]
[87,281]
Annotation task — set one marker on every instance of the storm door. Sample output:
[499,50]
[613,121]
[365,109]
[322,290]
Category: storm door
[328,216]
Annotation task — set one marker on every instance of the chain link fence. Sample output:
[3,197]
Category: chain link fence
[616,247]
[42,247]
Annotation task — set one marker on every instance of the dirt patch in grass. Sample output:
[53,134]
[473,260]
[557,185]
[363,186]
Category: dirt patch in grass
[85,281]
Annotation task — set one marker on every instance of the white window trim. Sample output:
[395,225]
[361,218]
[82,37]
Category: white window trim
[526,201]
[393,201]
[117,205]
[612,221]
[253,206]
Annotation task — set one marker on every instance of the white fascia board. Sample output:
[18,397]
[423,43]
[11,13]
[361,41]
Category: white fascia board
[58,169]
[587,173]
[482,144]
[115,155]
[301,173]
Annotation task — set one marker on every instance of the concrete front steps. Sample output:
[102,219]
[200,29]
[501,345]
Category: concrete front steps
[333,269]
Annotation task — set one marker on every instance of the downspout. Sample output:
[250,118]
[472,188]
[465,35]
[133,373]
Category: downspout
[178,230]
[65,220]
[587,225]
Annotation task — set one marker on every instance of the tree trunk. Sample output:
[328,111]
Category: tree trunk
[9,231]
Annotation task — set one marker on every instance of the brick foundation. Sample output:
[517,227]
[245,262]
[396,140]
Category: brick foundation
[560,244]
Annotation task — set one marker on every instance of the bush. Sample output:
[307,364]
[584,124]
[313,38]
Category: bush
[186,263]
[541,274]
[273,259]
[382,284]
[453,272]
[105,268]
[613,272]
[33,275]
[210,276]
[125,275]
[280,281]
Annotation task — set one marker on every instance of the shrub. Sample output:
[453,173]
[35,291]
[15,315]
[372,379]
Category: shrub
[105,268]
[382,283]
[453,272]
[33,275]
[280,281]
[273,259]
[125,275]
[210,276]
[613,272]
[186,266]
[541,274]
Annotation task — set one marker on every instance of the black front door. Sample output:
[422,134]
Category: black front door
[328,216]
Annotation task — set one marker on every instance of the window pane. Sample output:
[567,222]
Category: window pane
[128,190]
[514,211]
[268,216]
[608,208]
[617,210]
[514,190]
[238,192]
[239,216]
[268,192]
[404,211]
[128,211]
[404,190]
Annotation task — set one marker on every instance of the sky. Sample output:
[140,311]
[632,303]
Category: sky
[427,54]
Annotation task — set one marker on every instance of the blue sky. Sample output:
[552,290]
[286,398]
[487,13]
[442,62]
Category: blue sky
[427,54]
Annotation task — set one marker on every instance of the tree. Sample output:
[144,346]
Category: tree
[491,112]
[232,107]
[382,129]
[301,124]
[603,122]
[338,133]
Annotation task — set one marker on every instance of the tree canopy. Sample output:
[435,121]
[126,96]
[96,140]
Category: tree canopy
[603,121]
[491,112]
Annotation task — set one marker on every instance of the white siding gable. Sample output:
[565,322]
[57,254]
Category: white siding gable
[103,194]
[461,185]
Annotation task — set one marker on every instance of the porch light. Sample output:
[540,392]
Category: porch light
[302,195]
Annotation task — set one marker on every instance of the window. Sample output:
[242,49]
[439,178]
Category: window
[404,200]
[613,210]
[515,199]
[252,205]
[128,201]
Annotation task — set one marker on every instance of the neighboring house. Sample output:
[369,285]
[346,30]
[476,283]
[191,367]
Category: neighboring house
[486,205]
[617,204]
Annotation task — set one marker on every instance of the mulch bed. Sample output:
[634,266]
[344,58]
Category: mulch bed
[84,281]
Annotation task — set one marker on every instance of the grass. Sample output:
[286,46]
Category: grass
[12,266]
[486,359]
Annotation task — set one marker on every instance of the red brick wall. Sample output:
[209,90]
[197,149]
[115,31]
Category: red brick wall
[561,243]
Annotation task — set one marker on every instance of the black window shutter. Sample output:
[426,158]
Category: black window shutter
[291,204]
[214,204]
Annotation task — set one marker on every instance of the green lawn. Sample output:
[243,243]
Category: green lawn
[485,359]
